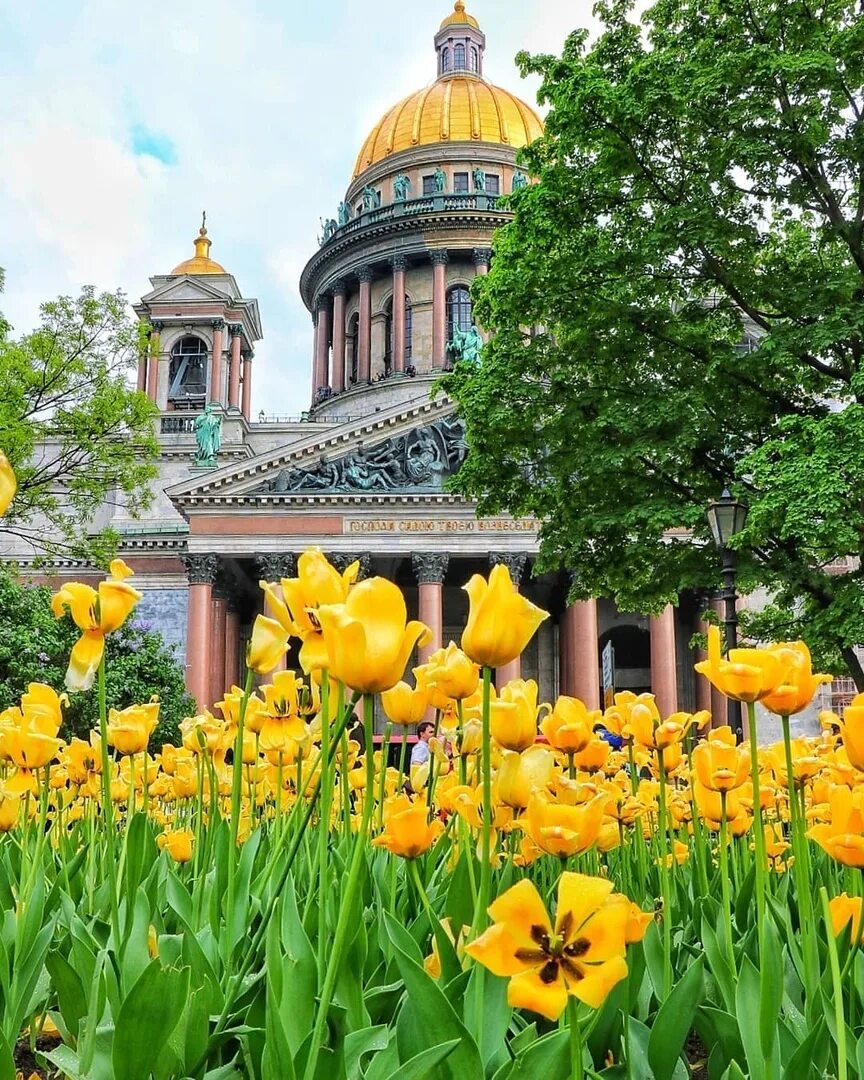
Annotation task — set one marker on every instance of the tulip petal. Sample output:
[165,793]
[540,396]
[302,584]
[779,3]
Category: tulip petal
[521,910]
[598,980]
[84,660]
[531,991]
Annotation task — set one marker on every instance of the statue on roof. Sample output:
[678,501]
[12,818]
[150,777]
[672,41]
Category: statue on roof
[465,345]
[344,213]
[440,180]
[479,176]
[208,435]
[520,180]
[371,198]
[329,226]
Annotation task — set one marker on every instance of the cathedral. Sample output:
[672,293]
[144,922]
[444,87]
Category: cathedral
[363,474]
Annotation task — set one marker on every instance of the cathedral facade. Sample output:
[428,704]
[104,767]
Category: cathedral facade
[364,474]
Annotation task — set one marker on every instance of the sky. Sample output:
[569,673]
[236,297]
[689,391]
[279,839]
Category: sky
[121,122]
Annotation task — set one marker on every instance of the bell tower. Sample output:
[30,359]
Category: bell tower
[460,44]
[202,333]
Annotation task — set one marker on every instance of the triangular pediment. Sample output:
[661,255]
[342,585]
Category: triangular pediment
[408,450]
[189,289]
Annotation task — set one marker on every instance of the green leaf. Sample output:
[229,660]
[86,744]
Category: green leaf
[148,1016]
[422,1065]
[359,1043]
[427,1019]
[770,988]
[652,946]
[672,1023]
[809,1060]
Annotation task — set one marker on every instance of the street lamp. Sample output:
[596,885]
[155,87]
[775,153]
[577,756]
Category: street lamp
[727,517]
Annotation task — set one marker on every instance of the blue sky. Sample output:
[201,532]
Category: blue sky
[119,123]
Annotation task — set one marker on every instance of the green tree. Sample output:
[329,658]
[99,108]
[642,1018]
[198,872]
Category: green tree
[692,261]
[77,434]
[35,647]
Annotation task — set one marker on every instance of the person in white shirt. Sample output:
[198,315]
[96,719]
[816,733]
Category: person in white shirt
[420,750]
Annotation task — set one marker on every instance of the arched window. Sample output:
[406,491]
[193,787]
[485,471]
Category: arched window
[187,373]
[354,346]
[445,59]
[474,60]
[409,332]
[458,310]
[459,57]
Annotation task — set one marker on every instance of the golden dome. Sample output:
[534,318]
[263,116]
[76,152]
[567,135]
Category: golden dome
[200,263]
[459,17]
[455,108]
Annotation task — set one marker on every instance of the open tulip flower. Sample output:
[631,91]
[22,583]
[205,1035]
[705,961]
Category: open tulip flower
[570,724]
[294,613]
[852,731]
[95,613]
[368,638]
[799,684]
[129,729]
[408,832]
[501,621]
[843,836]
[8,484]
[746,674]
[583,956]
[563,830]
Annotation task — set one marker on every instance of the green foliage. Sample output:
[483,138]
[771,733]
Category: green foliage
[35,647]
[701,178]
[74,430]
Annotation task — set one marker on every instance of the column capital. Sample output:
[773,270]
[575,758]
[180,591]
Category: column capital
[235,329]
[157,325]
[481,256]
[201,569]
[515,561]
[439,256]
[365,273]
[338,288]
[430,567]
[275,565]
[322,303]
[399,262]
[343,559]
[218,324]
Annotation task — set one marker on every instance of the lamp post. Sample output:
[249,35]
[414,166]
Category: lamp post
[727,517]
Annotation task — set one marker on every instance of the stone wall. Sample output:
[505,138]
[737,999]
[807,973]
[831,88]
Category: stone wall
[165,610]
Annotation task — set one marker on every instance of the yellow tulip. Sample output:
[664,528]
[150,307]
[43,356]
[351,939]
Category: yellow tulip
[501,621]
[570,725]
[719,764]
[129,729]
[8,484]
[178,844]
[843,837]
[408,833]
[564,830]
[513,715]
[746,674]
[368,638]
[448,675]
[852,731]
[267,645]
[583,956]
[846,910]
[520,775]
[799,684]
[405,705]
[96,613]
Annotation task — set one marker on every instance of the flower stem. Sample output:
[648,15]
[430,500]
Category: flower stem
[665,886]
[724,882]
[837,986]
[107,806]
[758,831]
[577,1070]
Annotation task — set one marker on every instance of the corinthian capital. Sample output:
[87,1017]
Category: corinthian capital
[201,569]
[430,567]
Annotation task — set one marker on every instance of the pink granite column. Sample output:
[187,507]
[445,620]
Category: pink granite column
[153,362]
[246,407]
[516,563]
[216,362]
[141,385]
[578,652]
[218,649]
[664,667]
[234,369]
[364,345]
[316,315]
[322,348]
[430,570]
[201,571]
[232,645]
[338,380]
[399,264]
[481,261]
[439,307]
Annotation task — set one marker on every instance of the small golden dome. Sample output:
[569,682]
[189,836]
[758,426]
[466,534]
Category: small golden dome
[459,17]
[455,108]
[200,263]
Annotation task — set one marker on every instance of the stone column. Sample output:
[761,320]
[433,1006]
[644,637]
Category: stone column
[516,563]
[664,676]
[481,256]
[234,368]
[272,567]
[141,384]
[232,643]
[201,571]
[364,344]
[246,407]
[153,361]
[218,648]
[322,347]
[216,362]
[338,380]
[439,307]
[400,265]
[430,570]
[577,646]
